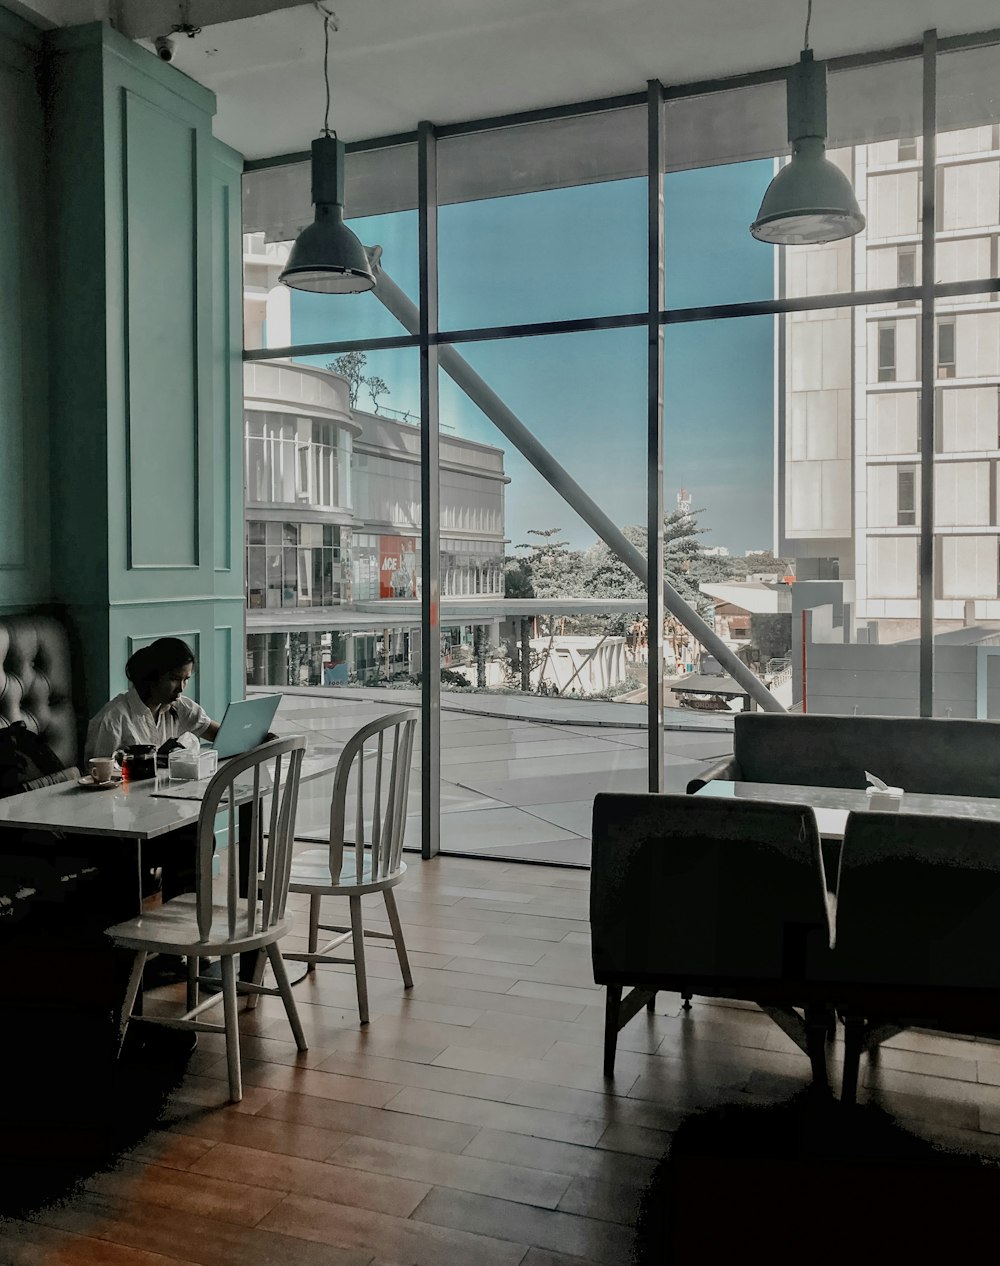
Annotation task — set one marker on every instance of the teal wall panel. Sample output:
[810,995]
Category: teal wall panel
[222,432]
[24,485]
[227,365]
[161,418]
[149,447]
[158,266]
[224,669]
[81,329]
[120,376]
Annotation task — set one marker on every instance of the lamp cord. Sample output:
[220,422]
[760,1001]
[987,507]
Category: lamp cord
[329,19]
[809,13]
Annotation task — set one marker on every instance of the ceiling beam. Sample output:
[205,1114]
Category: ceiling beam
[143,19]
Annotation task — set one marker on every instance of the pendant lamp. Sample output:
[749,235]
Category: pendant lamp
[810,200]
[327,257]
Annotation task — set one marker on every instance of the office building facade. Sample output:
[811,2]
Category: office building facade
[849,429]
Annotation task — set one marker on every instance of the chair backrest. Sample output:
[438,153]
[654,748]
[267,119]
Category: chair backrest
[918,902]
[385,804]
[705,888]
[950,756]
[269,839]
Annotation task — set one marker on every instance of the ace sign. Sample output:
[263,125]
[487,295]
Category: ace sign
[397,570]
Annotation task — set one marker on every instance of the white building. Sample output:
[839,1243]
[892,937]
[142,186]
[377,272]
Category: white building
[333,516]
[849,398]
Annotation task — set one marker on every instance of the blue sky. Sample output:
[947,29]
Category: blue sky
[580,252]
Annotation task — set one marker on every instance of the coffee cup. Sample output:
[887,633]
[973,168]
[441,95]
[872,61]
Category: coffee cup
[101,768]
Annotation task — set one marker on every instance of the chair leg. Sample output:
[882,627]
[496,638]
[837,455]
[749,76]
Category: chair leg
[131,991]
[281,976]
[397,936]
[854,1039]
[358,941]
[257,978]
[192,981]
[686,1001]
[611,1010]
[232,1028]
[817,1025]
[314,900]
[651,1004]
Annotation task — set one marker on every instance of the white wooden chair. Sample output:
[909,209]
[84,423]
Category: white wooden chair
[350,866]
[215,921]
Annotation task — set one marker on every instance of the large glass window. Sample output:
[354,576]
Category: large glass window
[798,442]
[543,222]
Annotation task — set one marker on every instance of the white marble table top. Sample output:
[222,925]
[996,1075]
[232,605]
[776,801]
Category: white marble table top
[140,810]
[833,805]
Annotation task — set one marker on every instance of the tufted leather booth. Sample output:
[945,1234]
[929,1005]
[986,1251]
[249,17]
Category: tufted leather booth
[36,681]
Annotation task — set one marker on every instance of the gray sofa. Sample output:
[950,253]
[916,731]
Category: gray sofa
[927,754]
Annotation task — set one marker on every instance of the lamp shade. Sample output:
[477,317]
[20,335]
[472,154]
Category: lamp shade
[327,257]
[810,200]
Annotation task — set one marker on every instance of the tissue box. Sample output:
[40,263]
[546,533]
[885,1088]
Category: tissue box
[184,764]
[886,801]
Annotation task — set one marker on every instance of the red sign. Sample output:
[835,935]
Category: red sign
[397,567]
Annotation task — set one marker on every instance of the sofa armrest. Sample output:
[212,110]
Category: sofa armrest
[727,770]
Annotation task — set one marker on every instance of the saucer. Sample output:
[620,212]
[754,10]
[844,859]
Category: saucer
[88,783]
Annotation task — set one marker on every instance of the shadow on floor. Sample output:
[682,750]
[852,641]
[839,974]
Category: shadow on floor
[808,1178]
[70,1109]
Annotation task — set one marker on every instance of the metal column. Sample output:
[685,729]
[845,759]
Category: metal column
[430,501]
[927,378]
[654,437]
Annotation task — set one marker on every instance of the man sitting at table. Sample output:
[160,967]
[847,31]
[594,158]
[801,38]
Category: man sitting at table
[155,710]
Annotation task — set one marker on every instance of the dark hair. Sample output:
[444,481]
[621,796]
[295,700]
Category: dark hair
[149,663]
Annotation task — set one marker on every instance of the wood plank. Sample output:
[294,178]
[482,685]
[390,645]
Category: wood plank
[383,1192]
[500,1116]
[464,1173]
[398,1239]
[565,1232]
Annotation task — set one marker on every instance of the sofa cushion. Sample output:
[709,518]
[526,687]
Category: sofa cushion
[928,754]
[36,681]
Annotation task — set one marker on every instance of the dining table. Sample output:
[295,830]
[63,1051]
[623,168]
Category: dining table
[137,810]
[130,813]
[833,805]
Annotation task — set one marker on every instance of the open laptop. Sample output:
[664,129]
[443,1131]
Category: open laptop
[246,723]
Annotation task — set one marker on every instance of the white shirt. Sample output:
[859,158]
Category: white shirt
[127,720]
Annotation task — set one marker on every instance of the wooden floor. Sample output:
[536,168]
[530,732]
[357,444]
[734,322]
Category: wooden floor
[469,1123]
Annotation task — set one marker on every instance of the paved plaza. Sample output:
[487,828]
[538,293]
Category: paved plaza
[519,773]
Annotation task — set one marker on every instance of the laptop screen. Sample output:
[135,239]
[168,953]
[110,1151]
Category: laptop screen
[245,725]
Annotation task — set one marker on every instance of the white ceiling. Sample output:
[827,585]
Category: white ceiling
[396,62]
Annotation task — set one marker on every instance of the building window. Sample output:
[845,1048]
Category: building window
[946,349]
[906,496]
[887,352]
[906,271]
[907,149]
[296,565]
